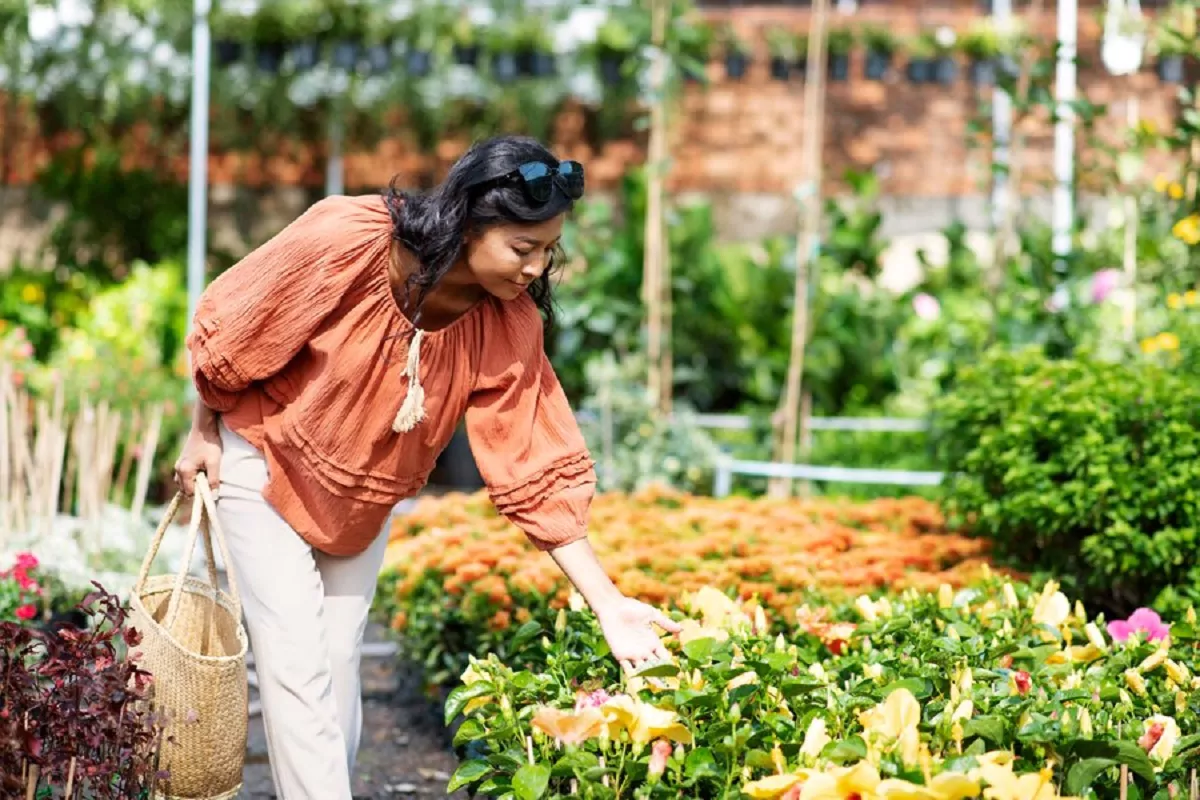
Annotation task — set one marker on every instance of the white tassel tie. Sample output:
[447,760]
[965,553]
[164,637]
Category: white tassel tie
[412,410]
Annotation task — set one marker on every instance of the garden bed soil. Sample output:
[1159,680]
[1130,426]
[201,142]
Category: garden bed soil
[405,750]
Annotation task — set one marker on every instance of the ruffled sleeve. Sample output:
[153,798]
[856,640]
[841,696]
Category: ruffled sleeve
[257,315]
[524,436]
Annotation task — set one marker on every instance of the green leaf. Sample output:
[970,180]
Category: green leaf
[525,634]
[461,695]
[470,731]
[700,763]
[1084,774]
[917,686]
[531,781]
[700,650]
[846,751]
[659,671]
[1136,759]
[468,772]
[991,728]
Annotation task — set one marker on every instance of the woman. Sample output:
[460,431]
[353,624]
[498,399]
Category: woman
[333,364]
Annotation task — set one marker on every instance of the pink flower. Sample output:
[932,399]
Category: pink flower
[592,699]
[660,751]
[1141,621]
[926,306]
[27,561]
[26,612]
[1150,738]
[1103,284]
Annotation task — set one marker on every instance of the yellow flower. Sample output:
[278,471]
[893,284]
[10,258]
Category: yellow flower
[1135,682]
[1095,636]
[1161,183]
[945,596]
[843,783]
[1174,301]
[815,739]
[33,294]
[717,610]
[1085,722]
[947,786]
[1004,784]
[1052,607]
[1010,596]
[895,721]
[1149,346]
[964,711]
[1178,673]
[1154,660]
[775,786]
[866,608]
[1168,341]
[1190,297]
[570,727]
[1175,191]
[1187,230]
[1161,733]
[643,722]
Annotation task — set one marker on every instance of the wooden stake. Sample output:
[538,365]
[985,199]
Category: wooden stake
[806,439]
[656,278]
[1124,782]
[806,242]
[70,778]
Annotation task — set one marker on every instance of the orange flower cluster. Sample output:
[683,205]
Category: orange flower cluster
[659,543]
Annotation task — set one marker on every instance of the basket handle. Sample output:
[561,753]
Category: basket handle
[204,518]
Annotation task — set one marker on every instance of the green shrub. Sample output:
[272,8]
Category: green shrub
[1079,467]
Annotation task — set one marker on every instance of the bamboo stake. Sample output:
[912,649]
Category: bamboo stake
[129,453]
[806,439]
[146,461]
[59,420]
[1131,233]
[806,243]
[1124,782]
[655,284]
[1193,787]
[7,482]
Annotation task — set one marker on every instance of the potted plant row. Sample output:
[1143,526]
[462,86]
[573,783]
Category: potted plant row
[931,59]
[1175,41]
[881,46]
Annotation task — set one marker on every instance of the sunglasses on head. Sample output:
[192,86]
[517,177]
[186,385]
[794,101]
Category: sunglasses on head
[537,180]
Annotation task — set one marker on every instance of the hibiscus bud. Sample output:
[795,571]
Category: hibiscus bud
[735,712]
[1154,660]
[1022,682]
[1135,682]
[1181,703]
[560,622]
[866,608]
[873,671]
[953,634]
[659,753]
[1010,596]
[867,646]
[1190,616]
[945,596]
[1095,636]
[1085,722]
[1178,673]
[1080,611]
[964,711]
[956,733]
[1126,700]
[780,643]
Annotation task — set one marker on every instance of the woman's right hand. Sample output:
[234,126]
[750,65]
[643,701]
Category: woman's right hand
[201,453]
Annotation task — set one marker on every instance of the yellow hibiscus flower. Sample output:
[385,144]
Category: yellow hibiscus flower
[643,722]
[947,786]
[895,721]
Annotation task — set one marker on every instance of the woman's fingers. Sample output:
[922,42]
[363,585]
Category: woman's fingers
[666,623]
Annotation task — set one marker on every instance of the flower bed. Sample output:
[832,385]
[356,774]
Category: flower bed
[994,691]
[458,578]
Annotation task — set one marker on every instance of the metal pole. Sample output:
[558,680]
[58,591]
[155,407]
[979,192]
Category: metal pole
[335,170]
[198,167]
[1064,128]
[1001,129]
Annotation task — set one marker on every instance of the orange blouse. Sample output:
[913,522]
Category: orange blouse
[302,350]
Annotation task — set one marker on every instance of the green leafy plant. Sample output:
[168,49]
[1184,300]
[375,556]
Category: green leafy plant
[878,39]
[840,41]
[1079,467]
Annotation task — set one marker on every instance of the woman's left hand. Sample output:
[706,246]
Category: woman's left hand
[629,628]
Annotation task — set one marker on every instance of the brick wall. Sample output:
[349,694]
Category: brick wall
[740,142]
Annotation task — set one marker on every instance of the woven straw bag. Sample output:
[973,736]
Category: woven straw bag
[194,645]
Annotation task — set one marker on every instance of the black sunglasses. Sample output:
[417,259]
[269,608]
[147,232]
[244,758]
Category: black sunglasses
[537,179]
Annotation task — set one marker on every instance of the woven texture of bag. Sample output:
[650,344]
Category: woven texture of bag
[194,646]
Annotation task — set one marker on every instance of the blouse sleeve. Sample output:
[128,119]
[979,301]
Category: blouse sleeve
[524,436]
[257,315]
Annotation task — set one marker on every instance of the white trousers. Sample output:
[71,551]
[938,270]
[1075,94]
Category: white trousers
[305,614]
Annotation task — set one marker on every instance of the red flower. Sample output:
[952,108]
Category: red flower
[26,561]
[659,753]
[1151,736]
[1023,681]
[26,612]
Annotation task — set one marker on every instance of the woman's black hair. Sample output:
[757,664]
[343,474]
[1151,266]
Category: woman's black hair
[434,225]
